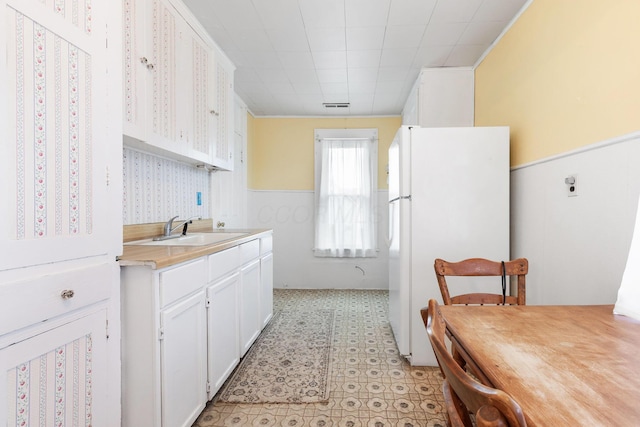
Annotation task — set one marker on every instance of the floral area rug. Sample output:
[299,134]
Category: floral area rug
[290,361]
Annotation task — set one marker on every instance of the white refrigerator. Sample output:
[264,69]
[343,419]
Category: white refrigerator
[449,199]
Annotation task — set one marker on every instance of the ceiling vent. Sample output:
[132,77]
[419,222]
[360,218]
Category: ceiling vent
[336,104]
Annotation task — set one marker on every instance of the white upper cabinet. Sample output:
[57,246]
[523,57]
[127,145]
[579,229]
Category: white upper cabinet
[61,164]
[441,97]
[173,102]
[224,118]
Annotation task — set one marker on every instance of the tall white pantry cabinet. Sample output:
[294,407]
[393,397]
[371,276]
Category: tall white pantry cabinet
[61,228]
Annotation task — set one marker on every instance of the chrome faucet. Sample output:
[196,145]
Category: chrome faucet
[168,228]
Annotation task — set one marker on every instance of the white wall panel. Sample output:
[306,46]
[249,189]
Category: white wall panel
[577,246]
[290,215]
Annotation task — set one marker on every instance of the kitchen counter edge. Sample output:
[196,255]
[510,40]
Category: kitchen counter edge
[158,257]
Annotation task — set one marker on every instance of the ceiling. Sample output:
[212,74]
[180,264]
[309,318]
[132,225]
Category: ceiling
[294,55]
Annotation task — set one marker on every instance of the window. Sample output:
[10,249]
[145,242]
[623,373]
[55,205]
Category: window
[346,163]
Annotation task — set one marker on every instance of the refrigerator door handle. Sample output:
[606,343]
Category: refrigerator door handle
[400,198]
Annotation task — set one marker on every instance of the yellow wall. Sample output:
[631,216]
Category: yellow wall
[566,75]
[280,150]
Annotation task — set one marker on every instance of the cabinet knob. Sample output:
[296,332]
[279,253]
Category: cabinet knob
[67,293]
[146,62]
[214,112]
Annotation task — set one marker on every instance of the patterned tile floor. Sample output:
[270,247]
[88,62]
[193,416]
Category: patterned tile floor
[371,385]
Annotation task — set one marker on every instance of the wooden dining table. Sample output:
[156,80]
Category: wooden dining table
[565,365]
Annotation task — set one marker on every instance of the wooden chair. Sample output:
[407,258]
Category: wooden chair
[482,267]
[463,394]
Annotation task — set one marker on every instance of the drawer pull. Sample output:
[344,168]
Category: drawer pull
[67,293]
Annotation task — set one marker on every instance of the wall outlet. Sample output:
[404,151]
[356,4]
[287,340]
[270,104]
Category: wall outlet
[572,185]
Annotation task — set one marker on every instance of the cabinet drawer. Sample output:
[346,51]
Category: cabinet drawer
[249,250]
[37,299]
[223,262]
[266,245]
[181,281]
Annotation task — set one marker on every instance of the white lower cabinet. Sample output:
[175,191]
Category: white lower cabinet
[250,322]
[266,279]
[266,288]
[183,360]
[164,367]
[223,330]
[57,376]
[185,328]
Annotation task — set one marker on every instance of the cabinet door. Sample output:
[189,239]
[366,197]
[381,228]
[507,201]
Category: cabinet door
[58,377]
[195,112]
[137,66]
[224,123]
[266,288]
[162,126]
[56,148]
[223,331]
[183,361]
[250,321]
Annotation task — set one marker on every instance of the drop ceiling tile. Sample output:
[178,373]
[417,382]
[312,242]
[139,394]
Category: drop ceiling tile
[332,75]
[455,10]
[465,54]
[280,14]
[326,38]
[322,14]
[362,74]
[280,88]
[361,87]
[253,39]
[406,36]
[288,39]
[307,88]
[262,59]
[296,59]
[363,58]
[236,14]
[337,91]
[365,13]
[443,33]
[330,59]
[410,12]
[272,75]
[481,32]
[365,38]
[498,10]
[432,56]
[392,74]
[362,98]
[397,57]
[302,75]
[392,87]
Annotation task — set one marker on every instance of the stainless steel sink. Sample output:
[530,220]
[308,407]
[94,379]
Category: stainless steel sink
[191,239]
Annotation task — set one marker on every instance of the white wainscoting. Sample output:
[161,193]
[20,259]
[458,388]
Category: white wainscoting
[290,215]
[577,246]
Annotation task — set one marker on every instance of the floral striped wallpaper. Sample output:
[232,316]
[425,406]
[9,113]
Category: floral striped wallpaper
[156,189]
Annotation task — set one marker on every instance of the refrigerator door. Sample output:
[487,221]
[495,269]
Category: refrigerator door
[399,280]
[400,240]
[459,209]
[394,168]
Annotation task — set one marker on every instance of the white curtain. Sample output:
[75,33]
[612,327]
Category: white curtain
[346,198]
